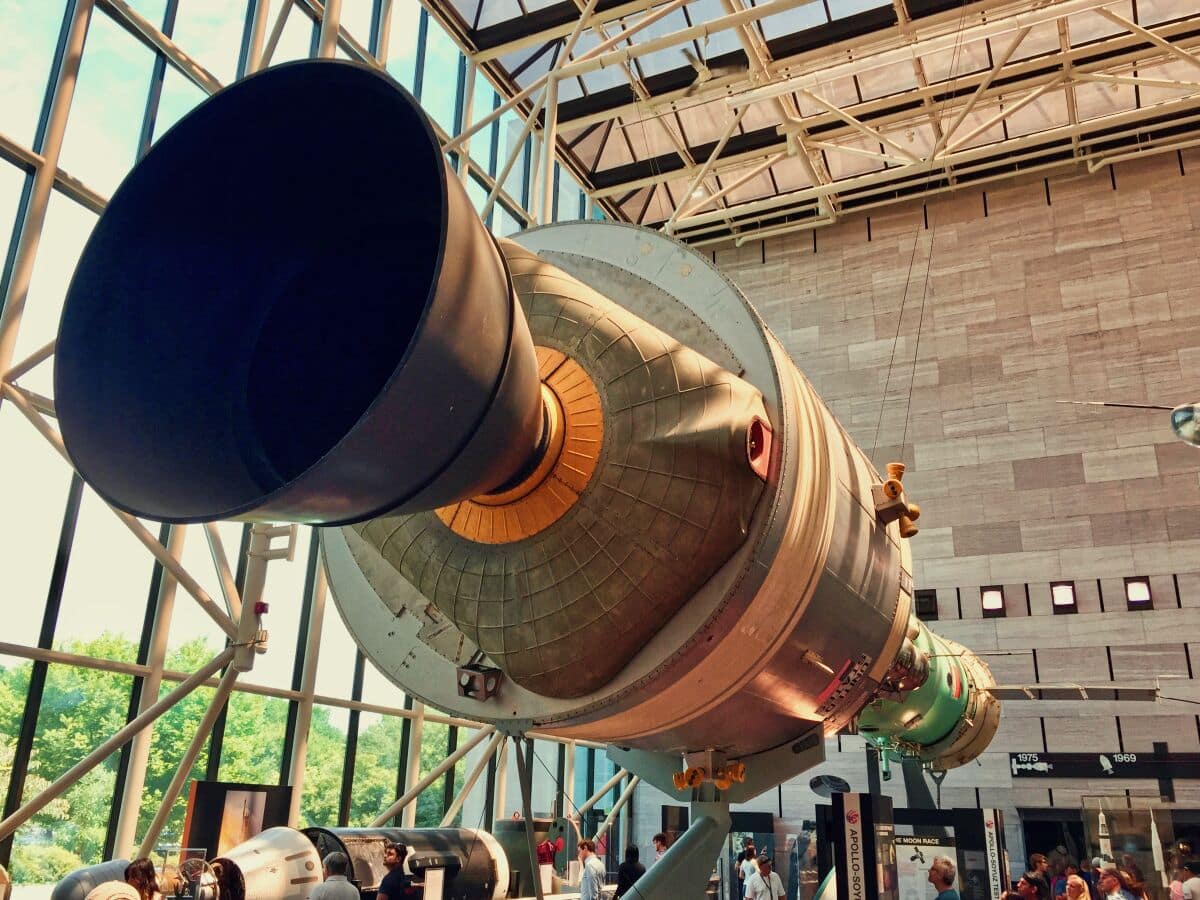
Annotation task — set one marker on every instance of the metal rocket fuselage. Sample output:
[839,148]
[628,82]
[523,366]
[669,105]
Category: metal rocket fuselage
[578,459]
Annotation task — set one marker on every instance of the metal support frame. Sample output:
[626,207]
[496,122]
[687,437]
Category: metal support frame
[525,774]
[101,753]
[184,770]
[623,799]
[330,19]
[591,801]
[1156,39]
[408,818]
[481,766]
[308,683]
[12,306]
[501,797]
[131,799]
[235,616]
[405,802]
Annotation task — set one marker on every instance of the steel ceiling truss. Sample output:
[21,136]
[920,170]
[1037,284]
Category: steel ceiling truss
[953,126]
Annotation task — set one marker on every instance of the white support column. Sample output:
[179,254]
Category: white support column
[276,33]
[330,19]
[409,817]
[385,31]
[464,150]
[472,777]
[549,140]
[618,806]
[43,183]
[525,774]
[568,787]
[601,791]
[258,28]
[184,770]
[308,682]
[229,591]
[139,750]
[408,801]
[501,798]
[535,183]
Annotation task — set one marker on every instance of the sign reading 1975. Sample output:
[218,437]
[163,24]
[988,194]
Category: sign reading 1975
[1101,765]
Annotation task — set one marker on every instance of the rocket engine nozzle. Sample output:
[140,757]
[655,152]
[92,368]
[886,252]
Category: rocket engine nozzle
[200,373]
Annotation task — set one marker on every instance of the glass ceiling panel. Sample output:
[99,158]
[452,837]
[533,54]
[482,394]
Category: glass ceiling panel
[1176,70]
[493,11]
[1095,100]
[616,150]
[839,9]
[790,174]
[754,189]
[1041,39]
[793,20]
[887,80]
[839,92]
[706,122]
[974,120]
[651,133]
[670,58]
[660,208]
[715,44]
[843,164]
[962,60]
[1048,111]
[1151,12]
[1084,28]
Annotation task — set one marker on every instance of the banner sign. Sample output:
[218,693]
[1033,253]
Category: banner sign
[992,823]
[914,856]
[1104,765]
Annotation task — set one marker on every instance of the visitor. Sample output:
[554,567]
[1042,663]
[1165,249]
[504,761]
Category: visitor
[337,885]
[630,871]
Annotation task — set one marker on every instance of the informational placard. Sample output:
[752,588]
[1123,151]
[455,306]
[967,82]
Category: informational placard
[435,884]
[993,823]
[864,853]
[914,856]
[1104,765]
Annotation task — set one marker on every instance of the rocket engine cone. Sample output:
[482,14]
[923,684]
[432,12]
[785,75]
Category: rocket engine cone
[291,301]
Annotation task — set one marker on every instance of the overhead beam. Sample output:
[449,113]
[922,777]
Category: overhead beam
[906,116]
[717,91]
[990,152]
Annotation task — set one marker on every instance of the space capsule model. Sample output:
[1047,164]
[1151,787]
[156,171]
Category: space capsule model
[569,481]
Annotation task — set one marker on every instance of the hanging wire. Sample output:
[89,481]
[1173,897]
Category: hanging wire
[955,75]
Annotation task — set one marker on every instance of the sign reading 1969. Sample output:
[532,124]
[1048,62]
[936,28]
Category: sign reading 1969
[1101,765]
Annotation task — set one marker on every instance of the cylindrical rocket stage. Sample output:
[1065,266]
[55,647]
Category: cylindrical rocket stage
[583,489]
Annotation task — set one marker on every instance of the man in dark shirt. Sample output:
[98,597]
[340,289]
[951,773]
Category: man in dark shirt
[630,871]
[395,883]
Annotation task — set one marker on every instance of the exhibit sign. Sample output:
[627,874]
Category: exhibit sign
[1104,765]
[992,823]
[854,848]
[914,856]
[864,851]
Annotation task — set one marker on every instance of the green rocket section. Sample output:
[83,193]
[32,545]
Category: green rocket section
[939,710]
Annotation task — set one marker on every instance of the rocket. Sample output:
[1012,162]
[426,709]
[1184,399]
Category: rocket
[568,482]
